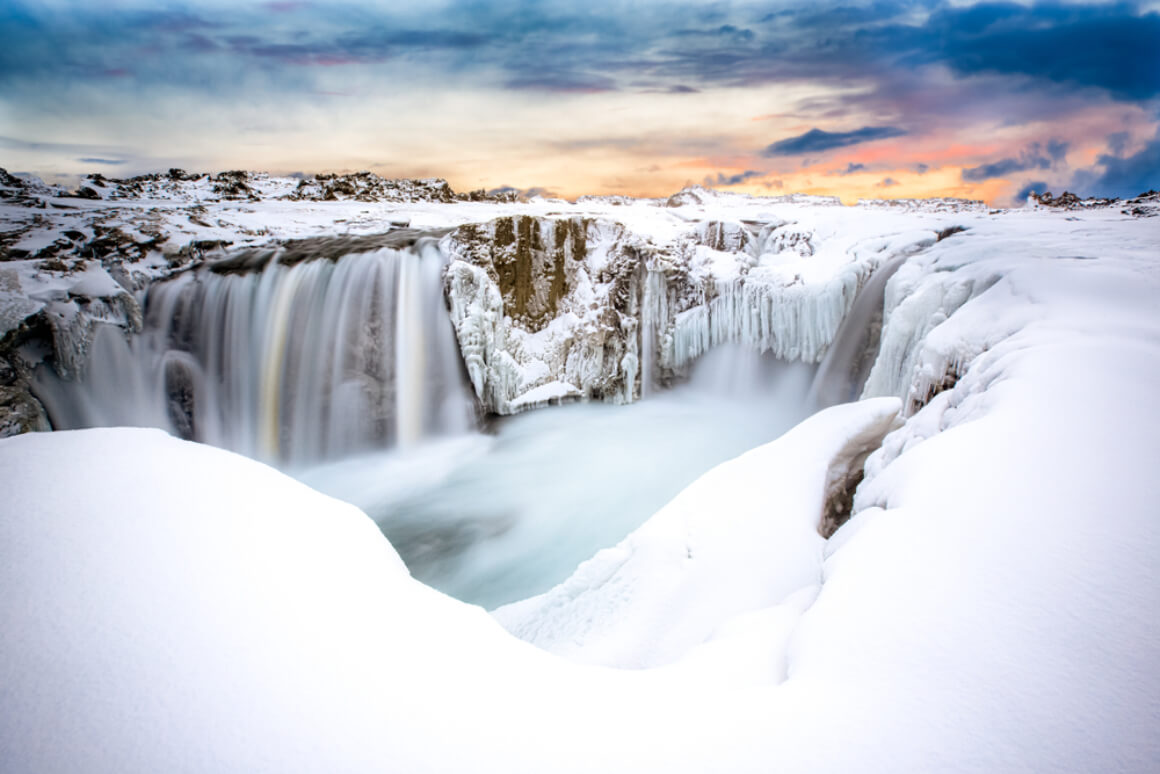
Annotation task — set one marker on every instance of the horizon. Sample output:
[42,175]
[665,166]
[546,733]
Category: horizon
[899,99]
[77,181]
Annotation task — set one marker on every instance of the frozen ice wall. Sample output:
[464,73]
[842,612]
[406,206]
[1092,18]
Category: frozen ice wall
[549,308]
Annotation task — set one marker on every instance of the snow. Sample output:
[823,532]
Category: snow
[545,394]
[992,604]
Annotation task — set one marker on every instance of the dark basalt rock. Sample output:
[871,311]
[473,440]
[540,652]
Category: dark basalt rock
[1069,201]
[533,262]
[21,413]
[369,187]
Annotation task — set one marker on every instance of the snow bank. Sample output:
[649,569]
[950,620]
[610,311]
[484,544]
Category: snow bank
[181,608]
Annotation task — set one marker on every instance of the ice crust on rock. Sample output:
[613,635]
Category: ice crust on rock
[631,314]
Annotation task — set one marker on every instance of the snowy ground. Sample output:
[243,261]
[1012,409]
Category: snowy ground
[992,604]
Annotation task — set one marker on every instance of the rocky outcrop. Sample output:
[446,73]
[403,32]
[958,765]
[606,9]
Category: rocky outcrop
[369,187]
[934,204]
[20,412]
[546,309]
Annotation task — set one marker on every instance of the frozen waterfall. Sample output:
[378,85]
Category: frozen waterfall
[290,364]
[767,314]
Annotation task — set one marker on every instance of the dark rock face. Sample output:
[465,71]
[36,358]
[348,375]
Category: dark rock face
[846,471]
[369,187]
[20,412]
[1069,201]
[233,185]
[10,181]
[533,261]
[535,265]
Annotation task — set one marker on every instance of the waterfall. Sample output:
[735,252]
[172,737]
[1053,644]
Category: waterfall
[847,364]
[654,315]
[291,364]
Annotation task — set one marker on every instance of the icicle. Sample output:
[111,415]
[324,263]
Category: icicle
[785,319]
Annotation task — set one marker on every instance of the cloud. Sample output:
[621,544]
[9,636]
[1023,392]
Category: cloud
[817,140]
[1123,176]
[886,182]
[884,46]
[922,169]
[729,32]
[1111,47]
[727,180]
[112,162]
[563,83]
[1117,142]
[1032,158]
[850,169]
[1057,149]
[933,69]
[1108,46]
[285,6]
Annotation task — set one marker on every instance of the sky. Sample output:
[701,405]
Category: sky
[878,99]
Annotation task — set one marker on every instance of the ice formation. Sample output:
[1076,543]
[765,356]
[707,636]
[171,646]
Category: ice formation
[549,308]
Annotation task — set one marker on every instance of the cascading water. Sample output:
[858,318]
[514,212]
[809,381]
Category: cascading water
[335,368]
[654,311]
[291,364]
[847,364]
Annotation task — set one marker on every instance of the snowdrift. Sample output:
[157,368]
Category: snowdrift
[991,604]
